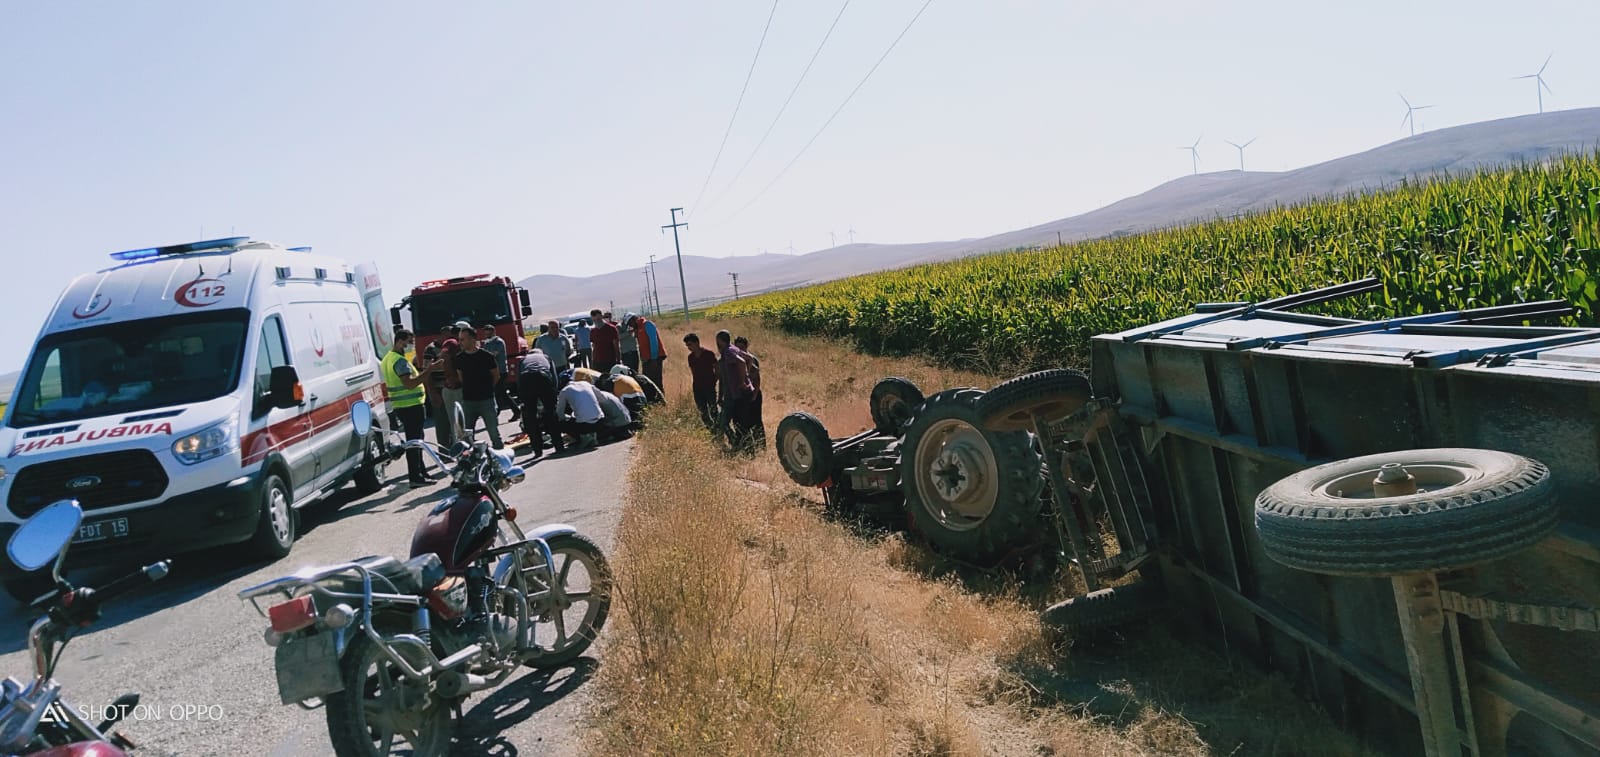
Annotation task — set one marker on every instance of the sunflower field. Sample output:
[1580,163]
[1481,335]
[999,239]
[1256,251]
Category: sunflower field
[1521,233]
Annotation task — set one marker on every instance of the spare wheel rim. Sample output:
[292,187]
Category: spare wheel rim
[1432,477]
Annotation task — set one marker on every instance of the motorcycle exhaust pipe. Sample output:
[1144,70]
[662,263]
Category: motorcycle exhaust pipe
[453,684]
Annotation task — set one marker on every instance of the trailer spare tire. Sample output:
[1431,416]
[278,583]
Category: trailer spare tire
[804,449]
[894,400]
[1106,608]
[1055,393]
[1471,506]
[971,492]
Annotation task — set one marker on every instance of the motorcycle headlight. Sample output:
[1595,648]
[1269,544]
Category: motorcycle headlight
[206,443]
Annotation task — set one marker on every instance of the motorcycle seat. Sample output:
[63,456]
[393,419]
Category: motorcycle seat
[409,577]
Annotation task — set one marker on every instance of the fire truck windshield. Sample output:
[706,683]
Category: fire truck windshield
[478,306]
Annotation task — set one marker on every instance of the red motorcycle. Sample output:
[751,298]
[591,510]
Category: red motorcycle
[34,718]
[392,649]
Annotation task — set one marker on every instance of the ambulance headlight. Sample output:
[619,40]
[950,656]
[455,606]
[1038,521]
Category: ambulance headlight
[207,443]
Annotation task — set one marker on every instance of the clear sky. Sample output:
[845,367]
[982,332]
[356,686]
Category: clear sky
[448,138]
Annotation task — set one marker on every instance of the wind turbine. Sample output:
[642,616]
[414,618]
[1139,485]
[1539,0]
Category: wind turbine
[1194,153]
[852,235]
[1539,87]
[791,248]
[1241,150]
[1409,109]
[833,239]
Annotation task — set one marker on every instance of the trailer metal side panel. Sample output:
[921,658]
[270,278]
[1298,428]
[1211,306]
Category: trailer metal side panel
[1224,422]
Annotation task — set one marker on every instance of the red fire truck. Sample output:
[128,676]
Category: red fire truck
[480,300]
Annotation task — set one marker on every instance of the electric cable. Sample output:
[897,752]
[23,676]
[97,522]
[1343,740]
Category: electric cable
[694,205]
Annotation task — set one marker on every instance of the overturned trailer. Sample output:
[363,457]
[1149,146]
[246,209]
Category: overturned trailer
[1396,515]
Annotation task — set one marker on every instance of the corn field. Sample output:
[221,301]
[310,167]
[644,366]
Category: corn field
[1530,232]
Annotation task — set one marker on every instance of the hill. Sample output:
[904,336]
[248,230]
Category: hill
[1455,150]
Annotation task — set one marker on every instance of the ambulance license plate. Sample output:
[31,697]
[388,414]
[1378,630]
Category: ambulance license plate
[101,530]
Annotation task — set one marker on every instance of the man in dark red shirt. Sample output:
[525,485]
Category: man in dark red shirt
[738,394]
[605,342]
[703,367]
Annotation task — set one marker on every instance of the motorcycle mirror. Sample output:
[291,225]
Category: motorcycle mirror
[45,536]
[361,418]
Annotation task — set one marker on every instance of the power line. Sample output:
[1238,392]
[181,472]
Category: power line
[736,107]
[836,111]
[785,106]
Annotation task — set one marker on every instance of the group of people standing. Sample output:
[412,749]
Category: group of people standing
[459,369]
[585,384]
[727,390]
[592,384]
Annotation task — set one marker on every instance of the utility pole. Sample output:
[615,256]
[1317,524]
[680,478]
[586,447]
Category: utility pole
[735,284]
[1058,239]
[679,250]
[655,285]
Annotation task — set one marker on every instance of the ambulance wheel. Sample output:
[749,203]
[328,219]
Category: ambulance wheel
[275,529]
[374,468]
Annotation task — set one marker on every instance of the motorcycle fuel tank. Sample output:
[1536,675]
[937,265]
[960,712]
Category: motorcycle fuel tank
[457,530]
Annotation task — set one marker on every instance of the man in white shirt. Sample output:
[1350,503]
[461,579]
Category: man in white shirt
[578,407]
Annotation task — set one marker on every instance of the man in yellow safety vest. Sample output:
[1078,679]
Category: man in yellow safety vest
[404,383]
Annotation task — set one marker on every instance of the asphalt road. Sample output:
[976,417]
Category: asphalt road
[194,651]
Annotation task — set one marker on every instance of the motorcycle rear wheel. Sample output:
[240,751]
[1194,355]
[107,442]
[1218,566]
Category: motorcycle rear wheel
[379,710]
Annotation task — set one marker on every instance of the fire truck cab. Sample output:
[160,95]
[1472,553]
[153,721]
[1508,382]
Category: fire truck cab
[481,300]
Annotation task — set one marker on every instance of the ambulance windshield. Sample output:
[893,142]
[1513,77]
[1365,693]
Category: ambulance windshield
[131,366]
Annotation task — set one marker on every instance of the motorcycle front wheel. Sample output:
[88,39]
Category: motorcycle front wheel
[380,711]
[566,626]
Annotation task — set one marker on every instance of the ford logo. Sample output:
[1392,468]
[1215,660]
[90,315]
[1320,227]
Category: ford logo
[83,482]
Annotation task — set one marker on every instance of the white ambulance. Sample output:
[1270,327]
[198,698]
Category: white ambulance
[197,395]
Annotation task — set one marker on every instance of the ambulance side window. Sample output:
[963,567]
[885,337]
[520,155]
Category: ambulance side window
[270,353]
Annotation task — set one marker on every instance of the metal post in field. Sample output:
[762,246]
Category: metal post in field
[679,250]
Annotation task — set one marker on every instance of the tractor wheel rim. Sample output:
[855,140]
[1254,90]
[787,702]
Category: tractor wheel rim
[798,451]
[956,474]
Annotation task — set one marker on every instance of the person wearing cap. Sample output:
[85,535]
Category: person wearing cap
[619,419]
[553,344]
[479,374]
[403,381]
[605,342]
[652,354]
[628,390]
[703,372]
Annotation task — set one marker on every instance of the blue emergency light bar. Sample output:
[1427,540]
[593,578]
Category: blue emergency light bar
[180,249]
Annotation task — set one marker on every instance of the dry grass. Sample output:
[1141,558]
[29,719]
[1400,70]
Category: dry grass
[748,623]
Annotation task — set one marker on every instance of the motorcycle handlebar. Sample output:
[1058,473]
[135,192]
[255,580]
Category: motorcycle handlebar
[150,573]
[83,605]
